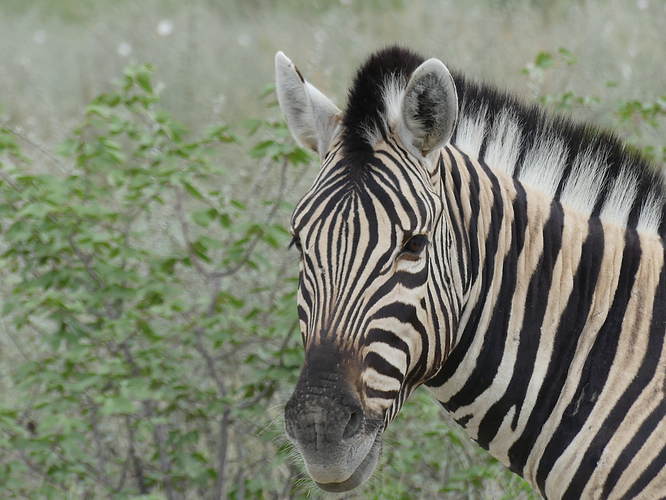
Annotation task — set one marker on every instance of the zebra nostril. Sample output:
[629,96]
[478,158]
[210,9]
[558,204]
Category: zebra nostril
[354,425]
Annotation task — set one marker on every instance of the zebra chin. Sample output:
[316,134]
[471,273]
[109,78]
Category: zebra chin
[360,475]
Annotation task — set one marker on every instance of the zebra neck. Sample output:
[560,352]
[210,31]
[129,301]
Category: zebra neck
[547,289]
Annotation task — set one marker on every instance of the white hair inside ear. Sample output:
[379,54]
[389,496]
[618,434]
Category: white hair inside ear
[429,109]
[313,119]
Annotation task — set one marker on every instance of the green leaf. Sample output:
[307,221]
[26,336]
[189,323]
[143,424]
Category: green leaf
[252,125]
[203,217]
[238,204]
[225,221]
[67,148]
[101,111]
[162,116]
[267,90]
[268,148]
[208,242]
[544,60]
[7,308]
[567,56]
[143,79]
[117,405]
[194,192]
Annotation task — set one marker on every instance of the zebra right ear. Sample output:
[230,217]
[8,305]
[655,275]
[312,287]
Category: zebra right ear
[312,118]
[429,108]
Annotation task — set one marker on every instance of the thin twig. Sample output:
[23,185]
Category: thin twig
[288,485]
[34,468]
[165,465]
[210,363]
[15,341]
[247,404]
[240,480]
[219,494]
[123,472]
[138,466]
[250,248]
[41,150]
[97,436]
[159,430]
[9,180]
[185,228]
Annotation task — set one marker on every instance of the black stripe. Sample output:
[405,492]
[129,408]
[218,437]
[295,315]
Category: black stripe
[463,421]
[410,203]
[376,393]
[484,143]
[439,333]
[536,302]
[491,245]
[334,244]
[490,356]
[629,452]
[475,209]
[648,475]
[329,189]
[386,337]
[571,324]
[645,374]
[382,366]
[597,365]
[407,314]
[461,237]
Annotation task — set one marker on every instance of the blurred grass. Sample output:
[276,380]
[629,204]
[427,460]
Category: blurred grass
[218,56]
[57,55]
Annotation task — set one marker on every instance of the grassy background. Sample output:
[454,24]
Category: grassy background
[213,59]
[57,55]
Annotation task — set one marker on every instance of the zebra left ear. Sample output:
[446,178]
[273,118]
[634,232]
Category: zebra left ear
[312,118]
[429,108]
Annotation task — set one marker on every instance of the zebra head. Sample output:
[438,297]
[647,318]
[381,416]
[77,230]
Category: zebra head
[368,231]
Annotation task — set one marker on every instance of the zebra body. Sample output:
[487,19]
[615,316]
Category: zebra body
[511,262]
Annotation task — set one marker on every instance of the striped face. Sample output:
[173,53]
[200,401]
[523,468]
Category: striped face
[365,231]
[364,234]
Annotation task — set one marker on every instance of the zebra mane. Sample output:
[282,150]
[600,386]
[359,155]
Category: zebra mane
[376,85]
[578,164]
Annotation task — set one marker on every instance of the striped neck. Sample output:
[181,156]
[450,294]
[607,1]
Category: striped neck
[544,288]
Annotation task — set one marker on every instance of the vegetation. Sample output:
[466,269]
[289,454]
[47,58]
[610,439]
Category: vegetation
[141,366]
[149,336]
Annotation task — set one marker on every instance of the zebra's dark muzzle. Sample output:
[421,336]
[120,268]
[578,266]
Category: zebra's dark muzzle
[340,445]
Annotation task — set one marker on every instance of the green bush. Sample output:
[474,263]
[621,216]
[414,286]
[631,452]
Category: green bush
[629,117]
[149,358]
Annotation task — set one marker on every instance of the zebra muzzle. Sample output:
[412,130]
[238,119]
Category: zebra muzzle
[340,445]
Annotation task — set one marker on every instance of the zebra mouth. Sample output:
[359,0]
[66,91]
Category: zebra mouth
[362,472]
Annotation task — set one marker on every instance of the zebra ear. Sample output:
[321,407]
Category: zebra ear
[429,108]
[312,118]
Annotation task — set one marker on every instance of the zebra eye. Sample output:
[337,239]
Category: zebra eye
[415,244]
[296,242]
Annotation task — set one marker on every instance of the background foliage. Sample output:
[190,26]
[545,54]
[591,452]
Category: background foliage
[149,335]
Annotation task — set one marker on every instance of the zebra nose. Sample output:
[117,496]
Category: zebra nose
[316,419]
[355,425]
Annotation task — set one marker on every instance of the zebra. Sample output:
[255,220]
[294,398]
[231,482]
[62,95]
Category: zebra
[509,259]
